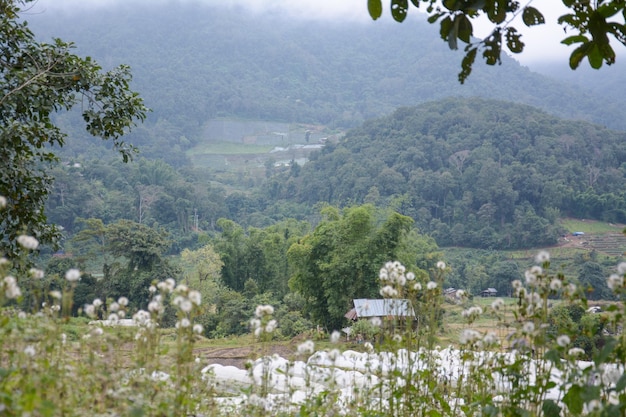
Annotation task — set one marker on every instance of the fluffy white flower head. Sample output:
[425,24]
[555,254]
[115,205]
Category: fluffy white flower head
[72,275]
[542,256]
[27,242]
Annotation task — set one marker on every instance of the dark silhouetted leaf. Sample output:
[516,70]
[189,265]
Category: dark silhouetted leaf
[375,8]
[532,17]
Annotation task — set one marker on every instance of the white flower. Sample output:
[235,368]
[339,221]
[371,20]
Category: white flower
[123,301]
[97,302]
[410,276]
[531,279]
[528,327]
[563,340]
[441,265]
[490,338]
[36,273]
[3,202]
[154,306]
[376,321]
[255,323]
[72,275]
[270,326]
[90,310]
[152,289]
[576,351]
[615,281]
[497,304]
[56,294]
[195,297]
[334,337]
[388,291]
[182,288]
[113,317]
[197,328]
[264,310]
[170,284]
[368,347]
[306,347]
[184,323]
[556,284]
[542,256]
[28,242]
[397,338]
[621,268]
[417,286]
[468,336]
[186,306]
[114,306]
[29,350]
[431,285]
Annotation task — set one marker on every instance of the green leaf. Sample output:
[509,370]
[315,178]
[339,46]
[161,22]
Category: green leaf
[551,409]
[399,9]
[532,17]
[513,41]
[579,53]
[452,5]
[611,8]
[434,17]
[497,13]
[416,3]
[621,383]
[466,64]
[572,399]
[445,27]
[465,30]
[610,345]
[574,39]
[375,8]
[619,31]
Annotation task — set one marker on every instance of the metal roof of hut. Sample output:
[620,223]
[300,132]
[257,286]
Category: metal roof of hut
[365,308]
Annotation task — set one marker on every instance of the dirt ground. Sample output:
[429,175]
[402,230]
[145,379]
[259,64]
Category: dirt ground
[237,356]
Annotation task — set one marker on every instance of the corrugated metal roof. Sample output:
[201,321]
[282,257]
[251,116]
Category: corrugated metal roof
[364,307]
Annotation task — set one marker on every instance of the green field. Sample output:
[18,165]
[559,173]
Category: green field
[590,226]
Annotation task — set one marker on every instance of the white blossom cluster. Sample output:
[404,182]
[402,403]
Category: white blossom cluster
[187,300]
[616,281]
[394,278]
[262,321]
[10,287]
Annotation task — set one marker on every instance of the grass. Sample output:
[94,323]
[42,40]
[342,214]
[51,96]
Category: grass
[590,226]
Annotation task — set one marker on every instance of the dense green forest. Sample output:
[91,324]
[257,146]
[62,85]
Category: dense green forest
[472,172]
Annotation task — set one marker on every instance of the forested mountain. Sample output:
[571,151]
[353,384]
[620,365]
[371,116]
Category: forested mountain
[194,62]
[472,172]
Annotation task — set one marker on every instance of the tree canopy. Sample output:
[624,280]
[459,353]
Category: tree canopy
[587,24]
[37,80]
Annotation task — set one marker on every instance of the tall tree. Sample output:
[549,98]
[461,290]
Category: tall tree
[340,259]
[36,81]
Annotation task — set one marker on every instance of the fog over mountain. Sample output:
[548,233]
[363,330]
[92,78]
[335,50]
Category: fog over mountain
[194,62]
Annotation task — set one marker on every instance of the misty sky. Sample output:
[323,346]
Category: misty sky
[542,42]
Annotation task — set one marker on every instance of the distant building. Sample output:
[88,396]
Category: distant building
[489,292]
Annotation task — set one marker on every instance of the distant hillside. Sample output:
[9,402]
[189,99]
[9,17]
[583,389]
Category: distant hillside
[194,62]
[473,172]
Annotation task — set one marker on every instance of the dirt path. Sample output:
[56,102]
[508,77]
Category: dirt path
[238,356]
